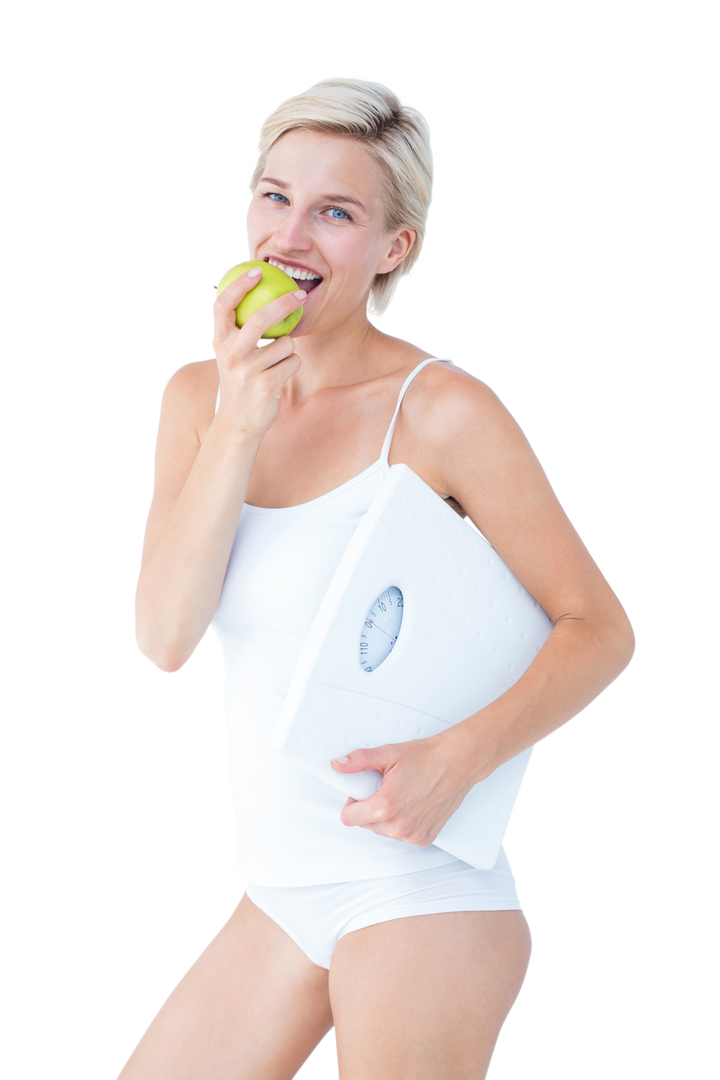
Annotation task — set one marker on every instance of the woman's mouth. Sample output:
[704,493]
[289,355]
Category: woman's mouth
[303,279]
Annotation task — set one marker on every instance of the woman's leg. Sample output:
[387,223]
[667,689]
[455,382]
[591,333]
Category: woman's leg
[425,997]
[252,1007]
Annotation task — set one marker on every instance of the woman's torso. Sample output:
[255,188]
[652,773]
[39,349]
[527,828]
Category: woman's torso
[282,561]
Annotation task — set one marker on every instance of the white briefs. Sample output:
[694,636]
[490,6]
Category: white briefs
[317,916]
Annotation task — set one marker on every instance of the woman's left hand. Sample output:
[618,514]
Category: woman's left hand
[424,782]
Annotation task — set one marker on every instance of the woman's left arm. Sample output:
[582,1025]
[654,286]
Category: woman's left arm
[581,659]
[475,453]
[487,465]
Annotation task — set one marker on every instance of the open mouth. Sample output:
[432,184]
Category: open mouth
[306,283]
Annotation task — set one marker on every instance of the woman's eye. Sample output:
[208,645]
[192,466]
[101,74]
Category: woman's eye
[273,196]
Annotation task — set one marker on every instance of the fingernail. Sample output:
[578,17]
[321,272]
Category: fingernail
[255,272]
[340,760]
[300,294]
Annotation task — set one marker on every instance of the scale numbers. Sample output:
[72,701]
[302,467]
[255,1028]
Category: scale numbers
[381,628]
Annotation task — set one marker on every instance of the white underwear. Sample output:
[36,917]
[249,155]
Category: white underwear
[317,916]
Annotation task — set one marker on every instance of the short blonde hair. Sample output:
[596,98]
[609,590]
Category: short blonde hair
[398,139]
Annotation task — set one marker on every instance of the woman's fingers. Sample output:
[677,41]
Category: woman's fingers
[252,379]
[222,307]
[270,314]
[261,320]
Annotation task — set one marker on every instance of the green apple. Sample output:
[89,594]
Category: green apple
[273,283]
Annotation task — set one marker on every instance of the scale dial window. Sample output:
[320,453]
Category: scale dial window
[381,628]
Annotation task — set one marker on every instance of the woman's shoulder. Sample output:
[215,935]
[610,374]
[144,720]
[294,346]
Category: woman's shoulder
[191,392]
[446,395]
[426,418]
[451,419]
[204,372]
[194,380]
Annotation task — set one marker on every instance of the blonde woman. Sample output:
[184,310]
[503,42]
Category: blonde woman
[267,459]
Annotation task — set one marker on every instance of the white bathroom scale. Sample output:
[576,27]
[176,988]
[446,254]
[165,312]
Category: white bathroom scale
[422,625]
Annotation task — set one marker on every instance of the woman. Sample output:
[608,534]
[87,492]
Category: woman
[352,916]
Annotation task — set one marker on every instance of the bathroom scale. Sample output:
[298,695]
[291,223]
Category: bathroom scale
[422,625]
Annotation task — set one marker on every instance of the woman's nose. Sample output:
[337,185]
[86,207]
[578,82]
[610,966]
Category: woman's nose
[293,232]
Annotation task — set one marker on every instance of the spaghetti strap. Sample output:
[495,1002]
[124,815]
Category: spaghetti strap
[388,438]
[217,401]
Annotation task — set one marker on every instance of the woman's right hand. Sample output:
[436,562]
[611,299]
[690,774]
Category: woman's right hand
[252,377]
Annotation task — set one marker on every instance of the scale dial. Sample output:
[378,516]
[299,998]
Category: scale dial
[381,628]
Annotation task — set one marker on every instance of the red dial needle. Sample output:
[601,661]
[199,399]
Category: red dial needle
[381,630]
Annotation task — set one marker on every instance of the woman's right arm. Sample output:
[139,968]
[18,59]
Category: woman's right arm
[200,487]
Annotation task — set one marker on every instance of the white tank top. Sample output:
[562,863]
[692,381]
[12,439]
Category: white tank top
[280,566]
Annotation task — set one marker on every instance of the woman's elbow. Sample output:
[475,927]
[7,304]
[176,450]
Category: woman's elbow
[165,661]
[622,643]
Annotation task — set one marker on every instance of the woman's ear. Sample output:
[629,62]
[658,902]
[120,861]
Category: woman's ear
[399,248]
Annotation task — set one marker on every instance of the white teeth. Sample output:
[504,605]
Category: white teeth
[294,272]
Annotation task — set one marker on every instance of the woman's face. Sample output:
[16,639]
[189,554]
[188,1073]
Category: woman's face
[317,211]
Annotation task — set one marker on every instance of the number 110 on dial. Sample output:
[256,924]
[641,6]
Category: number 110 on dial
[381,628]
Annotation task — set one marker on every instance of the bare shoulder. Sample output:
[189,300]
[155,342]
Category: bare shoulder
[202,373]
[474,454]
[187,411]
[456,422]
[443,389]
[205,373]
[189,398]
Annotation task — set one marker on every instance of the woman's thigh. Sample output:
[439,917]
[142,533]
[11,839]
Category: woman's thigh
[252,1007]
[425,997]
